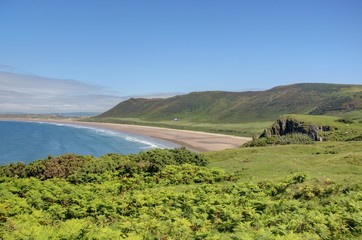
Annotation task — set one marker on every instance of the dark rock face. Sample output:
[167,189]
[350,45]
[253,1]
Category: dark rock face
[284,126]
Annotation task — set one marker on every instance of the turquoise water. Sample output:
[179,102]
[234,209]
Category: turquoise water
[28,141]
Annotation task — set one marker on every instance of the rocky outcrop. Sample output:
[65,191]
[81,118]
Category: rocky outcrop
[286,125]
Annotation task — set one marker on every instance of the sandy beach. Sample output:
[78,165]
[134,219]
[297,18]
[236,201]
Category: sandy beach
[197,141]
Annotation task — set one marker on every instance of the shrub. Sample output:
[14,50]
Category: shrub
[64,165]
[13,170]
[153,160]
[295,138]
[85,168]
[356,138]
[345,120]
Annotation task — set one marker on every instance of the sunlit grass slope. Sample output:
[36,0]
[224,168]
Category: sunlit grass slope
[339,157]
[341,161]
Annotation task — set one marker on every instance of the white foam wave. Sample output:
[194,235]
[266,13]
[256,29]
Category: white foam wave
[149,142]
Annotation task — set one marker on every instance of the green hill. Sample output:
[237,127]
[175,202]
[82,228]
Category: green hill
[233,107]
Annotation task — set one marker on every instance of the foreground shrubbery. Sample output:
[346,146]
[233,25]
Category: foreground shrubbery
[168,194]
[69,164]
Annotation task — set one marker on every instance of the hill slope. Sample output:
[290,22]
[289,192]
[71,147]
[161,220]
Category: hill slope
[217,106]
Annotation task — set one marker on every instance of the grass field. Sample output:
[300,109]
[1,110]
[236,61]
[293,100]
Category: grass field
[334,159]
[340,161]
[238,129]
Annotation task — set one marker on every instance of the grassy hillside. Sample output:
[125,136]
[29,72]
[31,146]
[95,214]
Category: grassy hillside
[338,157]
[236,107]
[340,161]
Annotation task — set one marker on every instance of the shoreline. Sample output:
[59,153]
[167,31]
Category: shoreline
[192,140]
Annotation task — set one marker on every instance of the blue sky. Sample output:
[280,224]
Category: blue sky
[139,47]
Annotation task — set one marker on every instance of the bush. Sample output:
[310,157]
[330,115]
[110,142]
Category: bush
[295,138]
[153,160]
[63,166]
[345,120]
[356,138]
[13,170]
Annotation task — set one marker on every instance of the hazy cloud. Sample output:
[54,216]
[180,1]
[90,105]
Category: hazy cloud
[34,94]
[6,68]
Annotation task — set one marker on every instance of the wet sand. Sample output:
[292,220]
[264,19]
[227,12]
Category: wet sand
[197,141]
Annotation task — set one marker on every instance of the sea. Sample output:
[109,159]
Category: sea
[29,141]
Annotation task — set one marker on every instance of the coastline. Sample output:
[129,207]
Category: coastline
[193,140]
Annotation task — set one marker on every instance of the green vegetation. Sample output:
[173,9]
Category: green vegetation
[237,129]
[293,138]
[280,192]
[340,161]
[244,107]
[304,129]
